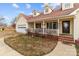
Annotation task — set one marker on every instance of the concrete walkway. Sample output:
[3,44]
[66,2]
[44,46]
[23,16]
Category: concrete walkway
[5,50]
[63,50]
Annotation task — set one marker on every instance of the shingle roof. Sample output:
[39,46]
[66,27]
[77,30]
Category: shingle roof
[26,17]
[53,14]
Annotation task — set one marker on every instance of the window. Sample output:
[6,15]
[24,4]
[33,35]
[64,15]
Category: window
[49,25]
[67,5]
[38,25]
[46,10]
[55,25]
[34,13]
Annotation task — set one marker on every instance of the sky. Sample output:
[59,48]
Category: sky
[10,10]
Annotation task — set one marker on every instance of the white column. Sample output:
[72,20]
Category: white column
[76,27]
[43,26]
[58,27]
[34,26]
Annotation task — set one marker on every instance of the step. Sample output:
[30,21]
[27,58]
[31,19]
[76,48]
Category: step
[66,37]
[68,41]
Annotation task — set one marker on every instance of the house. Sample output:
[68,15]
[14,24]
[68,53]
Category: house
[63,23]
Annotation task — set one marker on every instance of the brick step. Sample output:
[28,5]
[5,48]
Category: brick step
[68,41]
[65,37]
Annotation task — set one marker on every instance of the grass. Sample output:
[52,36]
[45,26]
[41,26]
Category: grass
[31,46]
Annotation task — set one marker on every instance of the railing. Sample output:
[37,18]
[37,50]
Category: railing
[46,31]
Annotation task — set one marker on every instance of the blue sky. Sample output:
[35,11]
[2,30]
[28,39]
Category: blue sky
[10,10]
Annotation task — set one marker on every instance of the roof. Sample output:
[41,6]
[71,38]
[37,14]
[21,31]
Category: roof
[26,17]
[53,14]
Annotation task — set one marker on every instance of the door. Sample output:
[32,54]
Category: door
[66,27]
[22,28]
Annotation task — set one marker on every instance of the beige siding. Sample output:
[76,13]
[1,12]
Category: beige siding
[76,26]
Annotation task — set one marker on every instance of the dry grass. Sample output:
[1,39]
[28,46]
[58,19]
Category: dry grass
[31,46]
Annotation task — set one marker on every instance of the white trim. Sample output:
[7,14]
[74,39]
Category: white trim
[58,27]
[74,12]
[34,26]
[43,26]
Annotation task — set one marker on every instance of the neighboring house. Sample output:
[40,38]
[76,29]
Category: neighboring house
[63,22]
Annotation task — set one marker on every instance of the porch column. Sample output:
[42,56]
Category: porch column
[43,26]
[34,26]
[58,27]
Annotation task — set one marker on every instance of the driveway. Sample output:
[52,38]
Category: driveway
[5,50]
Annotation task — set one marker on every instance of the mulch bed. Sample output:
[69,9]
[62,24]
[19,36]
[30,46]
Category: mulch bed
[31,46]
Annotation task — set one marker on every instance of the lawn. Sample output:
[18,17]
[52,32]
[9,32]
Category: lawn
[31,46]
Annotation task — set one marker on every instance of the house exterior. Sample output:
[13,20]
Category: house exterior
[61,23]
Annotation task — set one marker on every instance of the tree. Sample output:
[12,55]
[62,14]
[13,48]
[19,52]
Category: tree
[2,21]
[2,18]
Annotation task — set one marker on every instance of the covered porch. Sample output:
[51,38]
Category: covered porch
[63,27]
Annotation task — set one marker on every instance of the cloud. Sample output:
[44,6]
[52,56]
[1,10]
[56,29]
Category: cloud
[6,17]
[28,6]
[15,5]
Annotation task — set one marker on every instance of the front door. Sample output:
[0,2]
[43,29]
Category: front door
[66,27]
